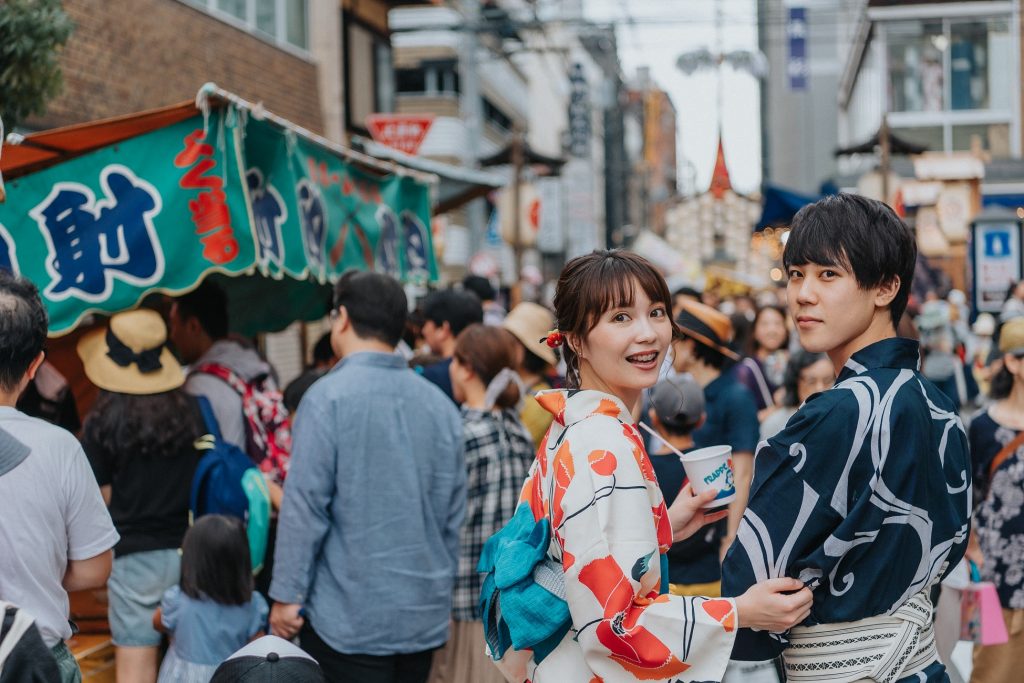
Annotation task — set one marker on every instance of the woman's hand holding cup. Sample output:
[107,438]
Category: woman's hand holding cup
[687,514]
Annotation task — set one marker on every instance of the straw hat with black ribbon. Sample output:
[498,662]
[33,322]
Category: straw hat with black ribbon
[1011,337]
[530,322]
[130,355]
[707,326]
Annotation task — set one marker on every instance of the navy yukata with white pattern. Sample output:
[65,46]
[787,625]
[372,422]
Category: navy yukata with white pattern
[866,494]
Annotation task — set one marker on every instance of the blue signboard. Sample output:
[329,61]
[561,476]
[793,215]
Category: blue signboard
[796,59]
[996,262]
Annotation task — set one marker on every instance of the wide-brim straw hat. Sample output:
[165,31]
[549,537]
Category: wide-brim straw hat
[707,326]
[130,355]
[1011,337]
[530,322]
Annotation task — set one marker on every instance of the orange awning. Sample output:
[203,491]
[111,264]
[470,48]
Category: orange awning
[45,148]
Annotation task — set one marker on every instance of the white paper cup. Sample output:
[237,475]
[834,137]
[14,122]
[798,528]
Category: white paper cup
[711,469]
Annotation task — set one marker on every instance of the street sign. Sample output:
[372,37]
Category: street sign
[579,113]
[796,60]
[996,261]
[404,132]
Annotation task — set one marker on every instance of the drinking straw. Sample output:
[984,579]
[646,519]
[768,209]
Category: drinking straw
[660,438]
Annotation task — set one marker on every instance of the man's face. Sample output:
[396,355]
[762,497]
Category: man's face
[682,355]
[435,335]
[182,333]
[831,310]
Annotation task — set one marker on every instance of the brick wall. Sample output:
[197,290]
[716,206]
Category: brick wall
[129,55]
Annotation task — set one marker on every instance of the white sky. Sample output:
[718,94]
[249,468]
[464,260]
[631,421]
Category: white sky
[660,31]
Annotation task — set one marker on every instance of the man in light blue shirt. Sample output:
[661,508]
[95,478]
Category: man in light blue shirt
[369,527]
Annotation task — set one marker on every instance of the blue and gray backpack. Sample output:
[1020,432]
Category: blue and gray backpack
[227,482]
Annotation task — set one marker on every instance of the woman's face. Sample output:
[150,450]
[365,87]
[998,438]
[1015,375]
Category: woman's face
[770,330]
[818,376]
[623,354]
[1015,365]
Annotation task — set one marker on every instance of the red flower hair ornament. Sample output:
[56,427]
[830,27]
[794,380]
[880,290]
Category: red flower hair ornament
[554,339]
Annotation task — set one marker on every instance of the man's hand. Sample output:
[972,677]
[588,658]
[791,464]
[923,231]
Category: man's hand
[687,515]
[285,621]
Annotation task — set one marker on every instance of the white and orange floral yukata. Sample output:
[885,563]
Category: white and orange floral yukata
[594,482]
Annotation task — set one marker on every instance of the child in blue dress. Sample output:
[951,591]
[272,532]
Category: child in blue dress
[214,611]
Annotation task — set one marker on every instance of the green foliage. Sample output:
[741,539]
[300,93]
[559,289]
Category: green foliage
[31,35]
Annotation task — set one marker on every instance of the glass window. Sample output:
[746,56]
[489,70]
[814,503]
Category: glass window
[385,74]
[495,116]
[235,8]
[976,50]
[450,79]
[929,136]
[916,53]
[993,137]
[266,16]
[411,80]
[281,20]
[296,31]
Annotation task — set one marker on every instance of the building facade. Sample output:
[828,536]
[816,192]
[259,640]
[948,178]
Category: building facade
[946,74]
[798,94]
[125,56]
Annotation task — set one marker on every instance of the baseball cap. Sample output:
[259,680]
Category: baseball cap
[678,402]
[269,659]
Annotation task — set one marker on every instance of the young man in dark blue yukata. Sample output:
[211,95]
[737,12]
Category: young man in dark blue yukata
[865,495]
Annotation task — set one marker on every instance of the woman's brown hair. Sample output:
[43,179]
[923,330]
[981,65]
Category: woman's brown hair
[594,283]
[489,350]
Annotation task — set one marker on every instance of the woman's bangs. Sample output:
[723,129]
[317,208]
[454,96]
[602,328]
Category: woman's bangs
[614,286]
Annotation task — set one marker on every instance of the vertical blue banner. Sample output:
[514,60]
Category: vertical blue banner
[796,58]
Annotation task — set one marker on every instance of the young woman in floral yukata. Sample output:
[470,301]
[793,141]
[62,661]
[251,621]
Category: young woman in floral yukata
[594,484]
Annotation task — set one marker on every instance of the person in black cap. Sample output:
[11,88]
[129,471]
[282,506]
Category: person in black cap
[266,660]
[677,408]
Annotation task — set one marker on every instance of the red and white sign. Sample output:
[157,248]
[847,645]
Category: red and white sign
[404,132]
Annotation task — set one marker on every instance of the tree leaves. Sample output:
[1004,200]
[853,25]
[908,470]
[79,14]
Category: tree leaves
[32,33]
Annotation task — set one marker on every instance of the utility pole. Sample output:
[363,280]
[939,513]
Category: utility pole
[471,107]
[884,143]
[517,202]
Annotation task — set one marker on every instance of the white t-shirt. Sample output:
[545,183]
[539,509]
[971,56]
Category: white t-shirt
[51,511]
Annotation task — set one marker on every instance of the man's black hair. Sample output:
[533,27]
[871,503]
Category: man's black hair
[534,363]
[677,427]
[322,351]
[480,286]
[858,233]
[208,304]
[686,290]
[706,354]
[458,308]
[376,305]
[23,325]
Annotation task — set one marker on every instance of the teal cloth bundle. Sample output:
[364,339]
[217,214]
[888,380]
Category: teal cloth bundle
[523,596]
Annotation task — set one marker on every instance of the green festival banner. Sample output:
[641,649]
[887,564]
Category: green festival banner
[227,193]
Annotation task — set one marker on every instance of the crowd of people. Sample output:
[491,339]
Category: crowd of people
[460,493]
